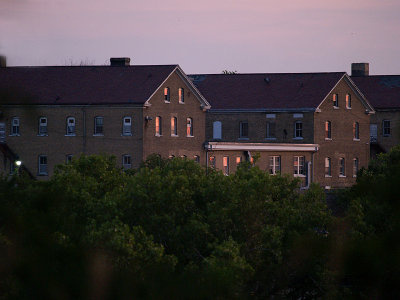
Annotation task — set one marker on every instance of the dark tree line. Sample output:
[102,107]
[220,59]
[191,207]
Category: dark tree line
[171,229]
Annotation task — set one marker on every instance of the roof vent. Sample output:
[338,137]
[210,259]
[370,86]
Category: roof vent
[360,69]
[267,80]
[120,61]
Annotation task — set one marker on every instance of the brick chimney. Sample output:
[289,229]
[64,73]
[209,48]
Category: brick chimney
[3,61]
[120,61]
[360,69]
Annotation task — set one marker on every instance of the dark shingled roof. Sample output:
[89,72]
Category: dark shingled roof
[81,84]
[382,91]
[266,91]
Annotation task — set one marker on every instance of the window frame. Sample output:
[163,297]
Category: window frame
[68,158]
[167,95]
[42,167]
[238,160]
[348,101]
[189,127]
[126,161]
[196,158]
[328,130]
[299,166]
[270,129]
[15,126]
[158,126]
[127,129]
[298,132]
[68,133]
[342,167]
[174,126]
[212,162]
[335,99]
[181,95]
[328,167]
[356,165]
[274,164]
[356,131]
[225,165]
[244,130]
[98,129]
[40,127]
[217,130]
[386,128]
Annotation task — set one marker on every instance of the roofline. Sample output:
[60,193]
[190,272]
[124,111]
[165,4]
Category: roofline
[116,105]
[220,146]
[261,110]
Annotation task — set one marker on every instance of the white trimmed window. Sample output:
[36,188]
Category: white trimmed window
[126,162]
[174,126]
[158,126]
[356,131]
[15,126]
[189,127]
[298,129]
[42,130]
[348,101]
[386,128]
[342,167]
[335,99]
[298,166]
[328,130]
[127,126]
[181,95]
[328,167]
[217,130]
[42,165]
[274,165]
[355,167]
[166,94]
[98,125]
[244,130]
[70,126]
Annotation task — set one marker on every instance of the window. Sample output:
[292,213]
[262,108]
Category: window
[225,163]
[2,132]
[70,126]
[127,126]
[335,99]
[189,127]
[244,130]
[238,159]
[328,132]
[158,126]
[166,94]
[174,129]
[348,101]
[298,166]
[212,162]
[197,159]
[386,127]
[328,167]
[68,158]
[355,167]
[342,169]
[274,165]
[356,131]
[42,126]
[15,126]
[42,167]
[270,130]
[126,162]
[181,95]
[98,125]
[217,130]
[298,130]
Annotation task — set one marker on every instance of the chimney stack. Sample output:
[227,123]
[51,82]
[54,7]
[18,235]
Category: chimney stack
[360,69]
[3,61]
[120,61]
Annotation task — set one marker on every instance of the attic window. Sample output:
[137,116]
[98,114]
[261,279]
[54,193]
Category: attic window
[166,94]
[335,99]
[348,101]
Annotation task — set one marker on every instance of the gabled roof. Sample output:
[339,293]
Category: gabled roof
[81,85]
[266,90]
[382,91]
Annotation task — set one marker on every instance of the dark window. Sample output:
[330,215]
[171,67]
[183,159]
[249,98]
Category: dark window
[298,129]
[342,168]
[70,126]
[244,130]
[42,126]
[127,126]
[356,131]
[270,134]
[328,132]
[98,125]
[42,168]
[298,165]
[15,126]
[355,167]
[386,127]
[166,94]
[335,99]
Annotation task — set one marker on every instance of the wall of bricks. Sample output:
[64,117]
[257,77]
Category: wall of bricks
[387,141]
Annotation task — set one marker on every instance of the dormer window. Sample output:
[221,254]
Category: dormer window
[181,95]
[166,94]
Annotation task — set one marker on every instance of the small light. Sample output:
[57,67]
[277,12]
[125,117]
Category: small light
[18,163]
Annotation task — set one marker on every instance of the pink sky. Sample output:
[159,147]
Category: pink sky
[205,36]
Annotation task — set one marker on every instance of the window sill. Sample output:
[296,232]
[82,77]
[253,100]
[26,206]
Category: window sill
[14,135]
[190,136]
[243,139]
[166,101]
[299,175]
[98,134]
[356,140]
[328,176]
[43,174]
[342,176]
[328,139]
[70,135]
[158,135]
[348,107]
[298,138]
[336,107]
[270,139]
[385,135]
[126,134]
[42,135]
[354,176]
[174,135]
[180,102]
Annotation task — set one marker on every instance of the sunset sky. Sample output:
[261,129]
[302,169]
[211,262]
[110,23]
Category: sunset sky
[205,36]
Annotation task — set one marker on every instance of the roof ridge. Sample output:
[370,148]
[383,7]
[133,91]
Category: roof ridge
[285,73]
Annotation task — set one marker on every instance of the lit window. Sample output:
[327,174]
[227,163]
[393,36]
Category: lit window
[126,162]
[158,126]
[355,167]
[342,168]
[298,129]
[68,158]
[166,94]
[42,126]
[189,127]
[328,166]
[212,162]
[386,127]
[174,129]
[197,159]
[225,163]
[328,133]
[270,130]
[356,131]
[238,159]
[335,99]
[348,101]
[42,167]
[244,130]
[98,125]
[217,130]
[127,126]
[15,126]
[70,126]
[181,95]
[298,166]
[274,165]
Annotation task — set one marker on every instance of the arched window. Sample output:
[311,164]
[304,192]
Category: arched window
[217,130]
